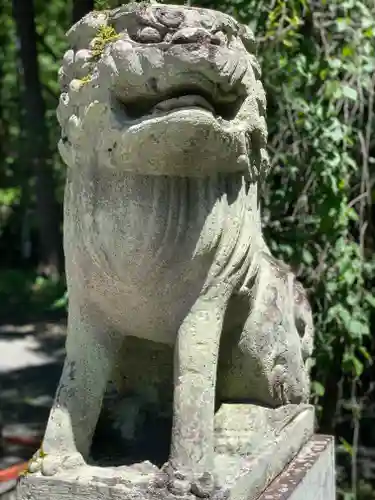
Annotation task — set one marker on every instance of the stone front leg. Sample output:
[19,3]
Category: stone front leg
[78,400]
[190,466]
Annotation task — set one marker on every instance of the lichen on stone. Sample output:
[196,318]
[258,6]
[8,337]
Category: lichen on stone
[86,79]
[105,35]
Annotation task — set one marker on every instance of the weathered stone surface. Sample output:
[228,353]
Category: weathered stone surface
[310,475]
[253,445]
[173,292]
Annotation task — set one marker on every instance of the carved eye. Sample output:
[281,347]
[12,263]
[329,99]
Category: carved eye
[207,21]
[149,35]
[169,17]
[219,38]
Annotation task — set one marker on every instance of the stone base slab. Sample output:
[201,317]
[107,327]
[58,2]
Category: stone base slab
[252,447]
[310,476]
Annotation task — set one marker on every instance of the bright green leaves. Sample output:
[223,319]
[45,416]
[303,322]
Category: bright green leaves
[10,196]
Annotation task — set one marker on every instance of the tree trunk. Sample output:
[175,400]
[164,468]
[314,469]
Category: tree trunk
[81,8]
[36,142]
[3,43]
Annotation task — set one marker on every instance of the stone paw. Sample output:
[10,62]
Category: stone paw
[50,464]
[279,385]
[288,389]
[183,484]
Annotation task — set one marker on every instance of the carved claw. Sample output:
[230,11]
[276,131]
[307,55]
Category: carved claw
[287,389]
[203,486]
[280,385]
[49,464]
[184,484]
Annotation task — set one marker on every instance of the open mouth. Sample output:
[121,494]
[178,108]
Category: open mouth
[226,107]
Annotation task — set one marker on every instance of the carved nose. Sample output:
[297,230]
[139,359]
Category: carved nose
[195,35]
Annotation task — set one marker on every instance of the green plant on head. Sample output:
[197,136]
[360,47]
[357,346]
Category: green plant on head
[104,35]
[85,79]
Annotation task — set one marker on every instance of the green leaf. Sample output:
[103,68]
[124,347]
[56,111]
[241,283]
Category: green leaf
[370,299]
[349,92]
[358,329]
[307,256]
[317,388]
[352,364]
[366,354]
[369,32]
[343,314]
[61,303]
[357,367]
[335,63]
[10,196]
[287,43]
[342,23]
[347,51]
[346,446]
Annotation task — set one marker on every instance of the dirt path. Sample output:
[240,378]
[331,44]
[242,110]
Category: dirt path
[31,357]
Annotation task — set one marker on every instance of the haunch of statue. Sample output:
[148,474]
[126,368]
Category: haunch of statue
[162,114]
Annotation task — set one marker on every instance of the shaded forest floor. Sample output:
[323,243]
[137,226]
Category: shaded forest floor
[32,338]
[31,357]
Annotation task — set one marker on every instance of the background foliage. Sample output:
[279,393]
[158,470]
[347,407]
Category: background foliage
[318,62]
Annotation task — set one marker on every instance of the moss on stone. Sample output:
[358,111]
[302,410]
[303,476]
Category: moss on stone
[85,79]
[105,35]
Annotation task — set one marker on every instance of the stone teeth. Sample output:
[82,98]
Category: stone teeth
[185,101]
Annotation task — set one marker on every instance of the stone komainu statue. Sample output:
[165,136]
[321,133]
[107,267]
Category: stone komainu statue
[162,114]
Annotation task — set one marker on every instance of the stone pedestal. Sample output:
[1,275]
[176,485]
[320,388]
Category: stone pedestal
[310,476]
